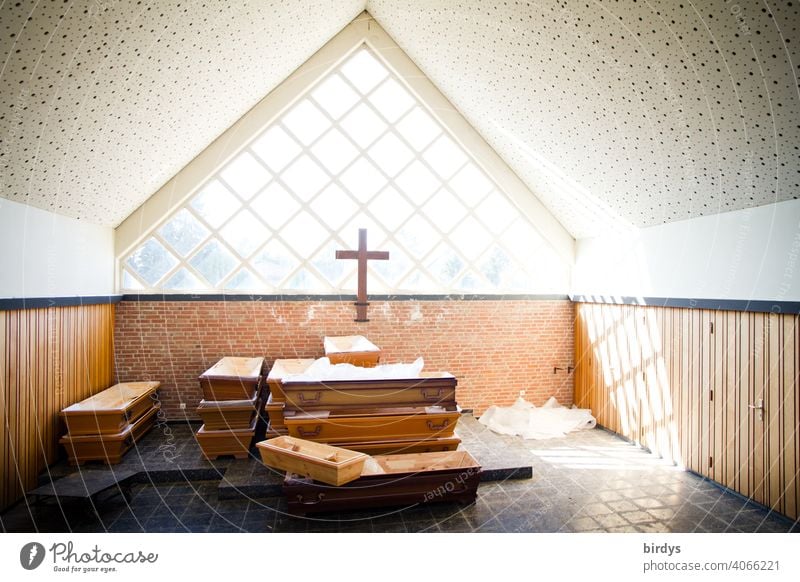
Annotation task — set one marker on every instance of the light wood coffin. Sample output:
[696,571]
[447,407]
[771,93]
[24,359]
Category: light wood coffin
[352,349]
[320,462]
[379,424]
[228,414]
[404,446]
[431,389]
[218,443]
[392,480]
[232,378]
[275,413]
[108,448]
[110,411]
[280,370]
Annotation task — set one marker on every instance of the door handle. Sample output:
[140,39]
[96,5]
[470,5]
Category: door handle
[759,405]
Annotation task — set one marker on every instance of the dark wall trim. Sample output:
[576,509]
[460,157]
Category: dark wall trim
[11,304]
[346,298]
[755,306]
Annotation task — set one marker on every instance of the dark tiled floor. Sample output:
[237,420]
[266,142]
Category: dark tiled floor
[589,481]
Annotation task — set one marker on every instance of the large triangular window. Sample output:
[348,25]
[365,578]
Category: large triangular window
[358,150]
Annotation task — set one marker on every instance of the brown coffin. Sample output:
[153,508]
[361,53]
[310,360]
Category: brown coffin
[218,443]
[275,413]
[107,448]
[280,370]
[404,446]
[380,424]
[110,411]
[228,414]
[232,378]
[277,431]
[346,350]
[393,480]
[431,389]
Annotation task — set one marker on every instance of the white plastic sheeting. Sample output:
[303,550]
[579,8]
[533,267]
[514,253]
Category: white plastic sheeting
[322,370]
[526,420]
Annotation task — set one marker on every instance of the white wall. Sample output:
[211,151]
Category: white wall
[46,255]
[746,254]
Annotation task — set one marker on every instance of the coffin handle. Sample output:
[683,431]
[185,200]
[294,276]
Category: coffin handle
[431,396]
[442,426]
[303,398]
[301,500]
[309,433]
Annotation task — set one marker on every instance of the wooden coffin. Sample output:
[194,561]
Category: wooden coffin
[107,448]
[228,414]
[275,413]
[320,462]
[219,443]
[232,378]
[392,480]
[431,389]
[404,446]
[373,425]
[352,349]
[280,370]
[110,411]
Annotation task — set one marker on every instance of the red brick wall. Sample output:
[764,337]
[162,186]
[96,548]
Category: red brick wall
[494,348]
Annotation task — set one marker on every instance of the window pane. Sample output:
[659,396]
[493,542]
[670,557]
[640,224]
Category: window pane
[304,177]
[329,266]
[393,270]
[445,264]
[390,154]
[470,238]
[244,280]
[418,128]
[276,147]
[418,236]
[275,205]
[335,96]
[151,261]
[302,280]
[364,70]
[390,208]
[215,204]
[245,175]
[334,206]
[496,213]
[470,184]
[335,151]
[363,125]
[445,156]
[274,262]
[417,182]
[304,234]
[362,179]
[213,261]
[444,210]
[244,233]
[306,122]
[183,280]
[391,100]
[183,232]
[130,282]
[496,266]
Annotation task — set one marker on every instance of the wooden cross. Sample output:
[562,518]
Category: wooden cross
[362,255]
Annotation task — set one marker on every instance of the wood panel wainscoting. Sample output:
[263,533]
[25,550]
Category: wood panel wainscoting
[49,358]
[714,391]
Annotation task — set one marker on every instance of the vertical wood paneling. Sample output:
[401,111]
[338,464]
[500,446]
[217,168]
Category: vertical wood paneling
[647,371]
[49,359]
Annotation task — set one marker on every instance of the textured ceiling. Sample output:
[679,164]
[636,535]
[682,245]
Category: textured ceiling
[613,113]
[103,101]
[621,112]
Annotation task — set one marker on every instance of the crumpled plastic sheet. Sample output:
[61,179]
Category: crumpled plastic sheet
[322,370]
[530,422]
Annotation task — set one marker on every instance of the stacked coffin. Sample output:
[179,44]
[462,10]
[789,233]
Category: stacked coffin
[105,426]
[375,416]
[277,401]
[352,349]
[229,409]
[325,478]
